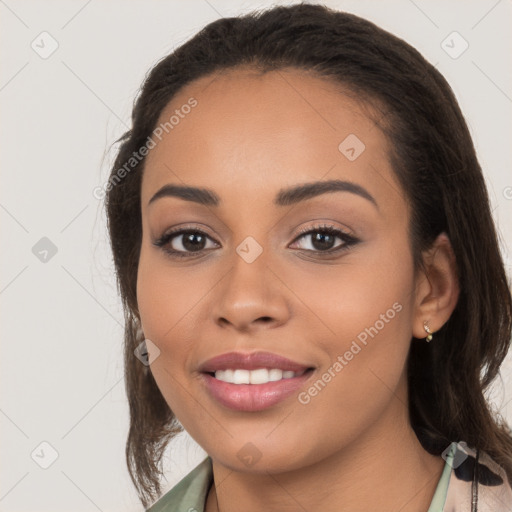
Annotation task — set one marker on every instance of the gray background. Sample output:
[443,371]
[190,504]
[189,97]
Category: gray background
[61,322]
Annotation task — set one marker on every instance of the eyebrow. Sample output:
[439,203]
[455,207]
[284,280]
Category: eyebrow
[284,197]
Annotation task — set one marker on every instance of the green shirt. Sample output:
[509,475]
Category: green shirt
[453,492]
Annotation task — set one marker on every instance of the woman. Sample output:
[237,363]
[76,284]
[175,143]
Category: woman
[310,273]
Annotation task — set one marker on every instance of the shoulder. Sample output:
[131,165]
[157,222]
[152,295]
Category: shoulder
[476,477]
[189,493]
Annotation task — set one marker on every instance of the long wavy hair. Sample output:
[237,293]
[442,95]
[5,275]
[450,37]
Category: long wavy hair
[434,159]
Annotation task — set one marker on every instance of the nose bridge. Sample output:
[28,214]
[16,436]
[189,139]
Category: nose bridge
[250,291]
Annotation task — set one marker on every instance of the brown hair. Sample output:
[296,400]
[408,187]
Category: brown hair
[434,159]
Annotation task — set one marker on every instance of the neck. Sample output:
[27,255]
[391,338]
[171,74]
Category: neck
[386,465]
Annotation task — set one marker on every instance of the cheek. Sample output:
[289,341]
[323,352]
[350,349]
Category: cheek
[163,302]
[160,309]
[365,316]
[369,290]
[169,304]
[165,296]
[368,310]
[153,298]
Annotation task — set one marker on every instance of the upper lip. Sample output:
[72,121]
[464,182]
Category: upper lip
[250,361]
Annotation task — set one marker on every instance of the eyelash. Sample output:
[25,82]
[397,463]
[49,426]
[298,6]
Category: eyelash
[348,240]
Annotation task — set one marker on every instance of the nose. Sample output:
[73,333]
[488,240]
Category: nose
[251,297]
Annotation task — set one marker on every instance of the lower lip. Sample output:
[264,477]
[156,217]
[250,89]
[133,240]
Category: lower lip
[253,397]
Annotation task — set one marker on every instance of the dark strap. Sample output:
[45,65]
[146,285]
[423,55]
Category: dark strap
[474,485]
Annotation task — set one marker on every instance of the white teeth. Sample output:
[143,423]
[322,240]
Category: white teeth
[220,374]
[275,374]
[259,376]
[241,377]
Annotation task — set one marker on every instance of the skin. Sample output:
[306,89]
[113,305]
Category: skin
[352,445]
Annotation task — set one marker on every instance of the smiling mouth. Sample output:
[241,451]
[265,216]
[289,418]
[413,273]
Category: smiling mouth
[250,382]
[257,376]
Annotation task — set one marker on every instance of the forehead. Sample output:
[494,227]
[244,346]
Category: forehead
[260,131]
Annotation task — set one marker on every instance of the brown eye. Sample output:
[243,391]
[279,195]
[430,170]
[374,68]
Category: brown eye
[322,239]
[184,242]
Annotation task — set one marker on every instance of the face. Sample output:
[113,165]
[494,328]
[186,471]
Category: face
[271,277]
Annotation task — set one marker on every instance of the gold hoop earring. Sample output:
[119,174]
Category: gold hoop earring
[428,331]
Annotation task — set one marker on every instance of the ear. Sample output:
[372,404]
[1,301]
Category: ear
[437,288]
